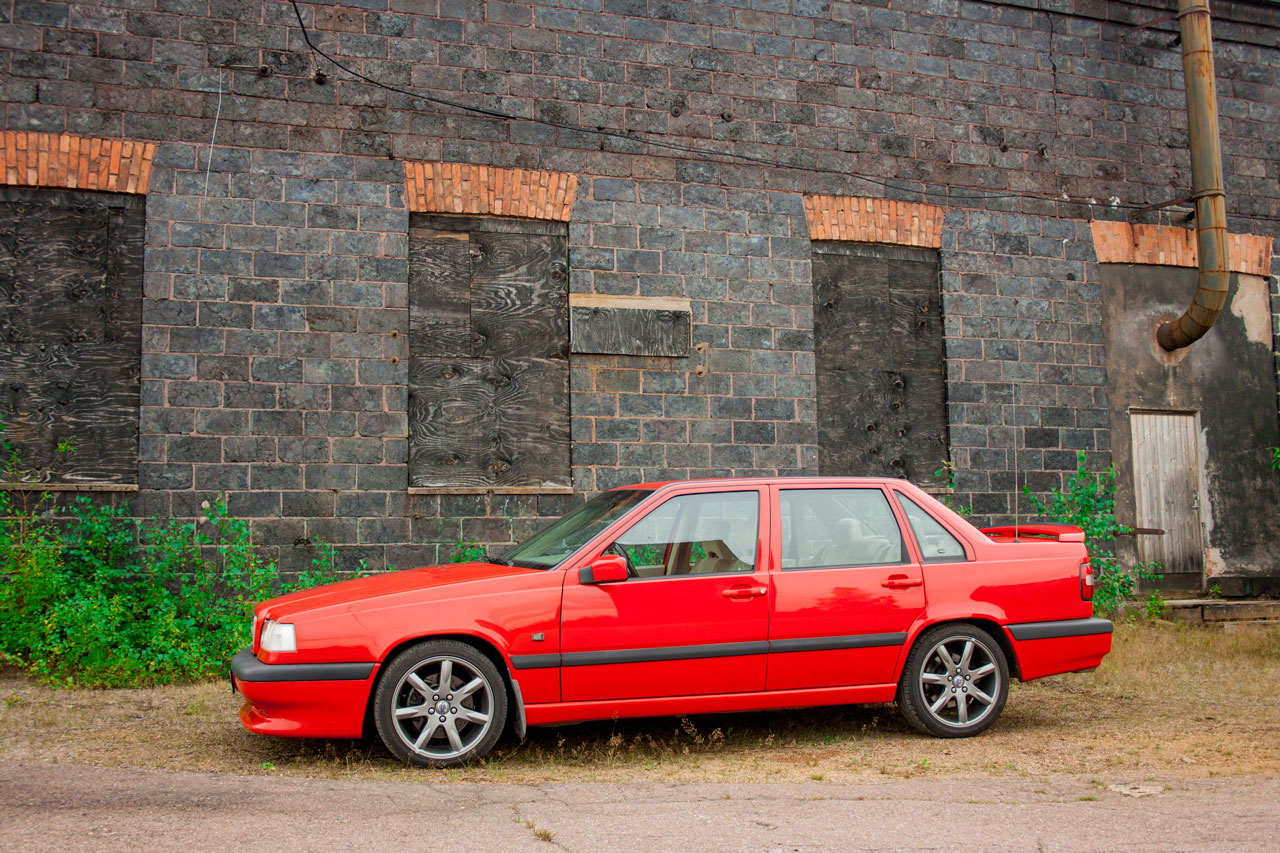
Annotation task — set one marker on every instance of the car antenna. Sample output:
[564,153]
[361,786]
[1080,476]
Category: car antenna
[1015,475]
[1017,306]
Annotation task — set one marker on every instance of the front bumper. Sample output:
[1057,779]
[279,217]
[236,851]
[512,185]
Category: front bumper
[303,699]
[246,667]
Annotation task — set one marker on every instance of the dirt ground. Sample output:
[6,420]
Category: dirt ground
[1168,704]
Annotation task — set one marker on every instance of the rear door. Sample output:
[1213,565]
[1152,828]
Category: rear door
[695,618]
[846,591]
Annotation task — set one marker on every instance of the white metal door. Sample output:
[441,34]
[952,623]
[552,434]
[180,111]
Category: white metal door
[1166,488]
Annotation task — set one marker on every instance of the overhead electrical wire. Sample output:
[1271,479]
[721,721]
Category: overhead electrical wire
[973,193]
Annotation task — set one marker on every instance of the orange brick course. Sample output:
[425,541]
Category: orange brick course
[75,162]
[873,220]
[1164,245]
[464,188]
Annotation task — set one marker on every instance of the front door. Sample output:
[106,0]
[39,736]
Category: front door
[1166,489]
[692,618]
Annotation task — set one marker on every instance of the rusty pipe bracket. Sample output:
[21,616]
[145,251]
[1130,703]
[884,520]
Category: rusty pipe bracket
[1134,214]
[1190,9]
[1137,28]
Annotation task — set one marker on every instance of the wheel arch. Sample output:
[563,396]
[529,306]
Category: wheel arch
[986,623]
[480,643]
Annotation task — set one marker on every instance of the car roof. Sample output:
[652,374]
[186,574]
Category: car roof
[771,481]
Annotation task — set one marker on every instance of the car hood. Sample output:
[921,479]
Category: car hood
[450,580]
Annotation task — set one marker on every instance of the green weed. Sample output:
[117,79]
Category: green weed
[468,552]
[1088,502]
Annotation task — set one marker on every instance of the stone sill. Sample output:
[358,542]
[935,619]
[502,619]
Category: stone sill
[491,490]
[68,487]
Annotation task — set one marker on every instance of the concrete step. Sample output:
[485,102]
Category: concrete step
[1214,611]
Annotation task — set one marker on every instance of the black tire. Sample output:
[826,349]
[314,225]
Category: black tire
[959,699]
[448,727]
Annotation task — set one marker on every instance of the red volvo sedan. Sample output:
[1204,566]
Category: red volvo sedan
[684,598]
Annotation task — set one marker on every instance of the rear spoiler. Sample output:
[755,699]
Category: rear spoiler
[1038,530]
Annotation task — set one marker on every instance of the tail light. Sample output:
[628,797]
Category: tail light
[1086,581]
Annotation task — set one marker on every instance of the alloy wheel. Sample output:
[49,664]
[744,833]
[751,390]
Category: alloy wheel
[442,708]
[959,681]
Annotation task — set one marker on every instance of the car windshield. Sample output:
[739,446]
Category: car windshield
[547,549]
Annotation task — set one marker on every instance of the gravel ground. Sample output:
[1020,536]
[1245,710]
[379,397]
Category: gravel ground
[61,807]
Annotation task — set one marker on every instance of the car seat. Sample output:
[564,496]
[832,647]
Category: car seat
[854,545]
[719,556]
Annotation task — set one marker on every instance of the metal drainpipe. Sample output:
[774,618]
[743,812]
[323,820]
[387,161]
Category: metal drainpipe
[1206,180]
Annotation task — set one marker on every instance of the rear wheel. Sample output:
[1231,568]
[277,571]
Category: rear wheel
[440,703]
[955,682]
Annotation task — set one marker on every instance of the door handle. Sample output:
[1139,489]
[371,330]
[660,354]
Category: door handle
[744,591]
[901,582]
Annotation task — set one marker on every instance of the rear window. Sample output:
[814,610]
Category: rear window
[937,545]
[830,528]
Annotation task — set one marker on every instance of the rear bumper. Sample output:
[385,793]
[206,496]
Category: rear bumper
[1068,645]
[1060,628]
[302,700]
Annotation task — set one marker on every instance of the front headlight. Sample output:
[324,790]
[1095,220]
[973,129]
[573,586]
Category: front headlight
[278,637]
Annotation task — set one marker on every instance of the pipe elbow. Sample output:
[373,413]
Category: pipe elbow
[1210,298]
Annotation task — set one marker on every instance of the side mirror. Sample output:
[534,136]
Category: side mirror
[606,569]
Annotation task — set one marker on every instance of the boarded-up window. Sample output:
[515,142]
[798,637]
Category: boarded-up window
[71,326]
[878,340]
[488,347]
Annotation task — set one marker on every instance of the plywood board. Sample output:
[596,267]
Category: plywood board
[631,331]
[878,346]
[70,313]
[519,296]
[439,293]
[488,422]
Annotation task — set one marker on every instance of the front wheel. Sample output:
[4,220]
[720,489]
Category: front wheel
[440,703]
[955,682]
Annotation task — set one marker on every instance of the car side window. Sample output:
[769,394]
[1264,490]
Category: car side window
[694,535]
[828,528]
[937,545]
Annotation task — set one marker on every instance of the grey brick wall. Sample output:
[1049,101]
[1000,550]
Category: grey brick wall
[275,334]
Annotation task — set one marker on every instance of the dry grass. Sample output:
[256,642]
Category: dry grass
[1168,703]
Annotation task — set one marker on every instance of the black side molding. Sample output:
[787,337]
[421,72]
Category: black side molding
[710,650]
[1060,628]
[535,661]
[246,667]
[823,644]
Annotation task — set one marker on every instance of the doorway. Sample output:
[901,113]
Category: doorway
[1166,489]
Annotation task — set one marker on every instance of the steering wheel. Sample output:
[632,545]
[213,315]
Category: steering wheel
[619,551]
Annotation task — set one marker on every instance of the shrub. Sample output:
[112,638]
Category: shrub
[1088,502]
[93,597]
